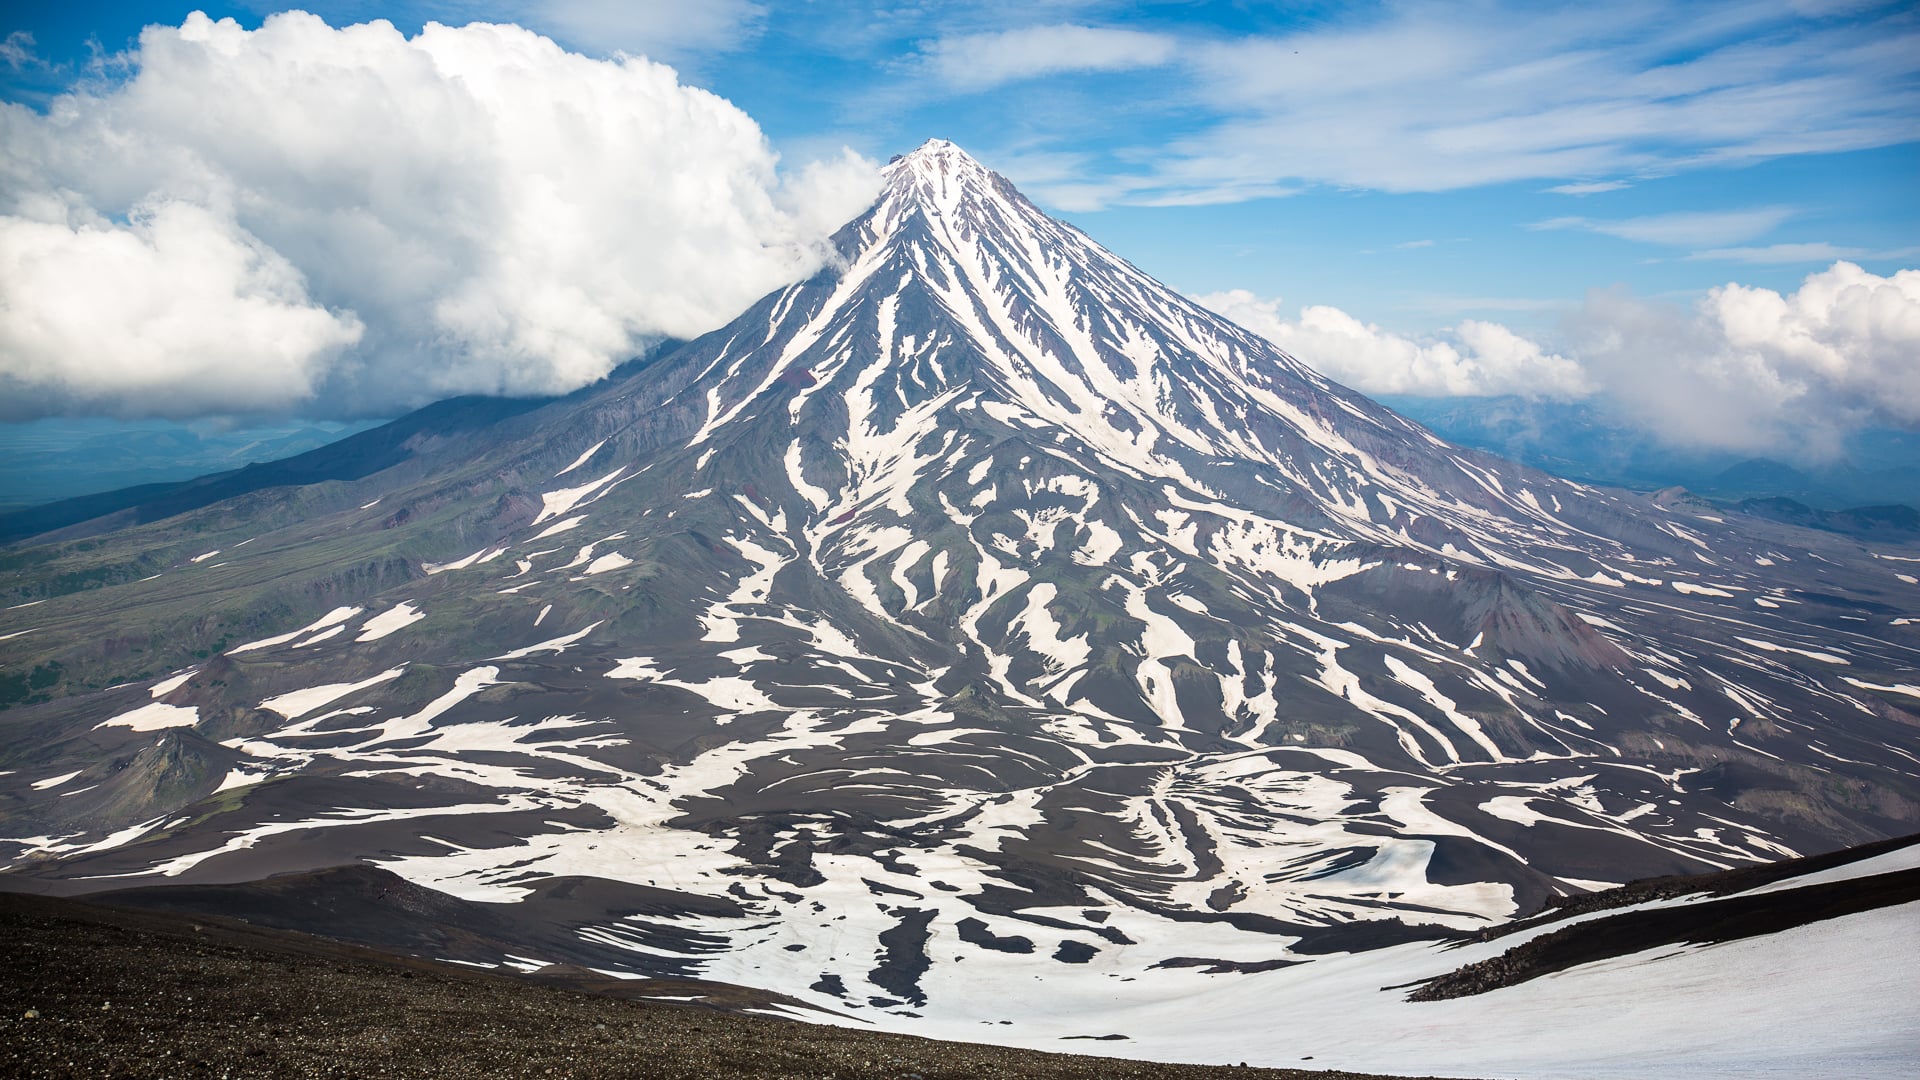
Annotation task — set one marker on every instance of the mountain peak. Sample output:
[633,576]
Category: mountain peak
[939,175]
[940,155]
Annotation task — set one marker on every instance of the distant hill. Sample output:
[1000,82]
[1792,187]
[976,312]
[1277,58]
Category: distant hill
[50,460]
[350,458]
[1581,441]
[359,452]
[1895,522]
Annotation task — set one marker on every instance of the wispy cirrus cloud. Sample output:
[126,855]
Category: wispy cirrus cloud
[1817,252]
[1682,228]
[1590,187]
[660,29]
[1424,96]
[981,61]
[16,51]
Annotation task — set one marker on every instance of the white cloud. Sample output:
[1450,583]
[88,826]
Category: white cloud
[198,314]
[980,61]
[16,51]
[662,29]
[1475,359]
[495,214]
[1746,369]
[1425,96]
[1683,228]
[1751,370]
[1819,252]
[1589,187]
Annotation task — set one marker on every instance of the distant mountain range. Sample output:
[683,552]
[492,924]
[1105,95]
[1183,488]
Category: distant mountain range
[1582,442]
[977,636]
[60,460]
[51,460]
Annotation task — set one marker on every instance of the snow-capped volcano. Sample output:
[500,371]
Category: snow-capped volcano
[979,610]
[958,296]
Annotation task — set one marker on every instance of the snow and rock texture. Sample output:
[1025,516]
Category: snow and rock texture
[1827,998]
[980,612]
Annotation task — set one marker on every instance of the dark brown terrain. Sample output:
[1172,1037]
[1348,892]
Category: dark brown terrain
[1706,923]
[91,991]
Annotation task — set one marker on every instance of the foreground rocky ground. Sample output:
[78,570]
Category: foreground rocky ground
[90,991]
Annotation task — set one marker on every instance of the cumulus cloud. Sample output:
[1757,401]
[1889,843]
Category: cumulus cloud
[197,313]
[1752,370]
[1474,359]
[980,61]
[365,222]
[1745,369]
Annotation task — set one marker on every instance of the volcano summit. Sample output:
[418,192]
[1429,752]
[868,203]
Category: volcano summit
[979,611]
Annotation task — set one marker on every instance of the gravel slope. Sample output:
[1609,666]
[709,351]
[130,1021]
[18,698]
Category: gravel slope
[90,991]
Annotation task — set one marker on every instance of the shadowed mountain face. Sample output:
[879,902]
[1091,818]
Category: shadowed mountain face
[978,610]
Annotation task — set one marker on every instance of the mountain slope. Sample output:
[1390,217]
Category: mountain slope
[977,611]
[211,995]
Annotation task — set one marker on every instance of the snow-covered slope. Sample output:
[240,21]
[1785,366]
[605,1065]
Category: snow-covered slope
[1824,998]
[983,614]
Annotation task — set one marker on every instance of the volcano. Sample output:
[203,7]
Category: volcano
[978,611]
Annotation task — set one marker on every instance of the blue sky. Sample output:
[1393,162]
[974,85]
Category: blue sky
[1565,173]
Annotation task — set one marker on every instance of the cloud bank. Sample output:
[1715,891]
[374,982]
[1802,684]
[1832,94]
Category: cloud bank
[1753,370]
[178,309]
[1745,369]
[350,222]
[1473,359]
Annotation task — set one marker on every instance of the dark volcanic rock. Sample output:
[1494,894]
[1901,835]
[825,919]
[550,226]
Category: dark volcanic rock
[87,991]
[1706,922]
